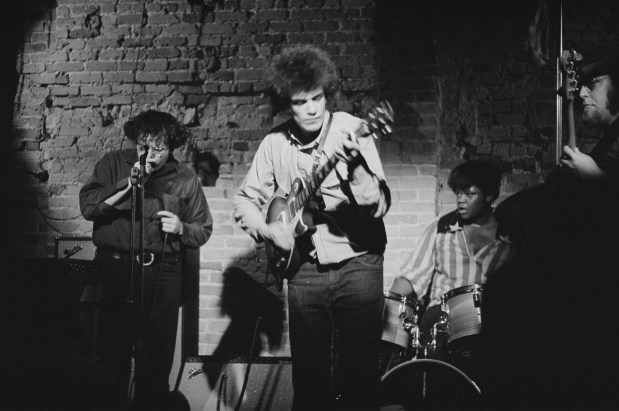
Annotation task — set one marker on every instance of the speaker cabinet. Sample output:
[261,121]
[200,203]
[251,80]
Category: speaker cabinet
[211,384]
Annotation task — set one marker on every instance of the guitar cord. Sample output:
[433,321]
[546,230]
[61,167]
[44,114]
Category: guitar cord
[249,361]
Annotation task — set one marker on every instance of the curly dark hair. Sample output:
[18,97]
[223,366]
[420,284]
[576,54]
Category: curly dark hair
[298,69]
[483,174]
[163,127]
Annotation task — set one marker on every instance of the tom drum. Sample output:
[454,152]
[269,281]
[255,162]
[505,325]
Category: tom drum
[463,308]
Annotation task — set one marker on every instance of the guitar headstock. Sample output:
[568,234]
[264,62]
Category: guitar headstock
[571,62]
[380,119]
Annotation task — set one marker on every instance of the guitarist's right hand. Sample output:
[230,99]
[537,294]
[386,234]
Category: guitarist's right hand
[279,234]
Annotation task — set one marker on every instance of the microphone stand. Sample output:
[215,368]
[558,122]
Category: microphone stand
[137,188]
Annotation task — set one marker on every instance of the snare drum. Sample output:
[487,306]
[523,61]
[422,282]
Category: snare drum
[396,308]
[463,308]
[428,385]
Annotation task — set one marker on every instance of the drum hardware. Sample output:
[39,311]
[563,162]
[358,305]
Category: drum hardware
[411,327]
[439,327]
[398,311]
[477,304]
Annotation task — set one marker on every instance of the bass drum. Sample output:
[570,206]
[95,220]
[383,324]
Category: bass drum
[428,385]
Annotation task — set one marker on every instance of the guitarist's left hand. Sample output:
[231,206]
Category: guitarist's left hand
[348,148]
[581,164]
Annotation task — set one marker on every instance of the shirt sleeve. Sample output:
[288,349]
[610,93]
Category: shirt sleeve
[100,186]
[197,219]
[367,178]
[256,190]
[419,268]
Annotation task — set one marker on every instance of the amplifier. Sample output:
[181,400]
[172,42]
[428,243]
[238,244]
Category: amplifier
[210,384]
[73,247]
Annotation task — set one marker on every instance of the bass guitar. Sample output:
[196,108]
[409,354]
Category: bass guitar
[570,63]
[291,210]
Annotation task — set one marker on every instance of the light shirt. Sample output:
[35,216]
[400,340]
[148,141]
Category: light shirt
[282,157]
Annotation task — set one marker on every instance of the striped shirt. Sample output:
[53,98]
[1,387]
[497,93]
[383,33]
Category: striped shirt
[443,250]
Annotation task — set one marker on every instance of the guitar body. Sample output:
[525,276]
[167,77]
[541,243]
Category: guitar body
[282,263]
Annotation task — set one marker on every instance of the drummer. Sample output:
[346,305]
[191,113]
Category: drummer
[459,248]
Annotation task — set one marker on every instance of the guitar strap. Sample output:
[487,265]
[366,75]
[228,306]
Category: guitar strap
[320,202]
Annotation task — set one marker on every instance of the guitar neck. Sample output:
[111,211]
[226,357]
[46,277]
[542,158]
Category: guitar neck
[302,198]
[570,125]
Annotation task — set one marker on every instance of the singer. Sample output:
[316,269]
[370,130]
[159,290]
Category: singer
[139,318]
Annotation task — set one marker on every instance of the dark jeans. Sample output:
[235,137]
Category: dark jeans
[145,328]
[335,327]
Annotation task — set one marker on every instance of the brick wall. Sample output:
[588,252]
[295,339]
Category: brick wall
[462,87]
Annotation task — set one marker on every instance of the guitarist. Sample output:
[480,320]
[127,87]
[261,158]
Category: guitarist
[335,299]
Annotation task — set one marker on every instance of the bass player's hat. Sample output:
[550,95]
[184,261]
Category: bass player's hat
[599,62]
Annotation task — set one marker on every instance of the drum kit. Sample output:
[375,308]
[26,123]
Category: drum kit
[430,371]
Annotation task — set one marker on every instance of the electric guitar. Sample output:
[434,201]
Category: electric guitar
[290,209]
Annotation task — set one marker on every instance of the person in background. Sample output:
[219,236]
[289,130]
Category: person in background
[206,167]
[335,299]
[140,318]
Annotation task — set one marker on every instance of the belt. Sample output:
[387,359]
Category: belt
[149,258]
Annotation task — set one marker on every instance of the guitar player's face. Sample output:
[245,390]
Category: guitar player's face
[595,101]
[308,110]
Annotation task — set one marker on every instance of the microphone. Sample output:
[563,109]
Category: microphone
[145,147]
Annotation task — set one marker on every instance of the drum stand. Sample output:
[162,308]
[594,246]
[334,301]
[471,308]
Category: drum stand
[412,327]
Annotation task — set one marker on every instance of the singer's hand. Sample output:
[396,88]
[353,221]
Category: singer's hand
[148,168]
[170,223]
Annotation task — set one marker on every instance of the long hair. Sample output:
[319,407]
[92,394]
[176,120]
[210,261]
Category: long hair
[163,127]
[298,69]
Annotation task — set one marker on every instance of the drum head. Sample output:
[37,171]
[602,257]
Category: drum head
[428,385]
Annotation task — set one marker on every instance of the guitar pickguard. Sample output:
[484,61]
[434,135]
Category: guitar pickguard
[283,264]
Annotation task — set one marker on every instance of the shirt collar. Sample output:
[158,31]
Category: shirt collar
[293,131]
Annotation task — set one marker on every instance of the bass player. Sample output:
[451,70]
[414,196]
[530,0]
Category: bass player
[335,298]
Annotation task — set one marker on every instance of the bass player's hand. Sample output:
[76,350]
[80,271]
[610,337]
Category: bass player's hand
[581,164]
